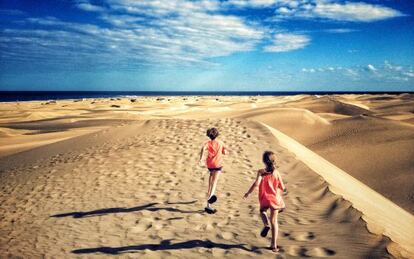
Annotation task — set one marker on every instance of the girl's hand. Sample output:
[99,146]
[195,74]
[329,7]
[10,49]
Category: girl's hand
[200,162]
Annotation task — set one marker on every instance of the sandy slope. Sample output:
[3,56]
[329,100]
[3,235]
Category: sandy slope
[368,144]
[143,194]
[381,215]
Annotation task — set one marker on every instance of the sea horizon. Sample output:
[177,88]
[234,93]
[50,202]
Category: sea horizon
[13,96]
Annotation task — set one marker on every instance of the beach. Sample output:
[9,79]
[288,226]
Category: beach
[120,176]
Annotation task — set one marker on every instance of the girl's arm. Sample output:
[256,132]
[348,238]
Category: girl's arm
[224,151]
[201,153]
[281,182]
[254,185]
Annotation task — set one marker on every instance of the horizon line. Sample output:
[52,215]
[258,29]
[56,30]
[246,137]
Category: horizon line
[199,91]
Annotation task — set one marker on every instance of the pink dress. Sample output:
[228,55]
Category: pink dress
[270,192]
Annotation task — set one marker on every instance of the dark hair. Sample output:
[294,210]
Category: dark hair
[212,133]
[269,159]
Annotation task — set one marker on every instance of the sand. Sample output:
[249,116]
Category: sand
[102,177]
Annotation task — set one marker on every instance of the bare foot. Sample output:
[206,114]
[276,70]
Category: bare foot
[275,249]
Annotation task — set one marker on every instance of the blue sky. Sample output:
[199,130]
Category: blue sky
[228,45]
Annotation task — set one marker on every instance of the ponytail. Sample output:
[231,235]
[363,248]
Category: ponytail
[269,160]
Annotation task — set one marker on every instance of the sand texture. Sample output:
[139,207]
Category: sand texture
[103,177]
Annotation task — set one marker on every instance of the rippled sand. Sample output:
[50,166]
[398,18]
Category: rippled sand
[87,178]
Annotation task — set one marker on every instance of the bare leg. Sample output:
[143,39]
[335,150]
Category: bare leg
[264,217]
[215,175]
[275,228]
[210,178]
[210,185]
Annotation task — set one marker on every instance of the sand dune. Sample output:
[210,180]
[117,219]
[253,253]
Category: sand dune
[122,178]
[382,216]
[131,195]
[33,139]
[376,150]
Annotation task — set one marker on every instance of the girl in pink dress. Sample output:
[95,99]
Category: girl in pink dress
[214,162]
[270,186]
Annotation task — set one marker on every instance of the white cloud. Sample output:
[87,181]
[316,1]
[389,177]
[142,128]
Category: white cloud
[11,12]
[391,66]
[371,68]
[340,30]
[121,20]
[283,42]
[135,33]
[339,11]
[321,69]
[163,8]
[284,10]
[400,78]
[409,74]
[139,32]
[90,7]
[377,72]
[308,70]
[251,3]
[362,12]
[351,72]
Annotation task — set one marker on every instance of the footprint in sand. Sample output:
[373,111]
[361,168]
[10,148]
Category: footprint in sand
[303,221]
[310,252]
[300,236]
[227,235]
[293,220]
[321,252]
[297,201]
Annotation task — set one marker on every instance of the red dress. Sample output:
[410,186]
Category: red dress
[216,150]
[270,192]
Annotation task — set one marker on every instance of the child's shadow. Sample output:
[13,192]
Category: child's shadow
[148,207]
[164,245]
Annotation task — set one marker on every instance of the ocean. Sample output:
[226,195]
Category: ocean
[12,96]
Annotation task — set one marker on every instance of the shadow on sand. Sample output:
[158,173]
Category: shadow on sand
[164,245]
[148,207]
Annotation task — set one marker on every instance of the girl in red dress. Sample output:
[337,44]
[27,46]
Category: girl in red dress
[214,162]
[270,186]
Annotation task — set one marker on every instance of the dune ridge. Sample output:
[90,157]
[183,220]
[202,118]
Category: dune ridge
[382,215]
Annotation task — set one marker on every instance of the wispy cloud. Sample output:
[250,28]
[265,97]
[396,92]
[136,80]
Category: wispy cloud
[362,12]
[283,42]
[340,30]
[371,68]
[180,32]
[129,33]
[11,12]
[308,70]
[386,72]
[409,74]
[339,11]
[252,3]
[90,7]
[389,66]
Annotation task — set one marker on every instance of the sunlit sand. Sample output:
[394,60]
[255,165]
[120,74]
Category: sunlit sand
[116,177]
